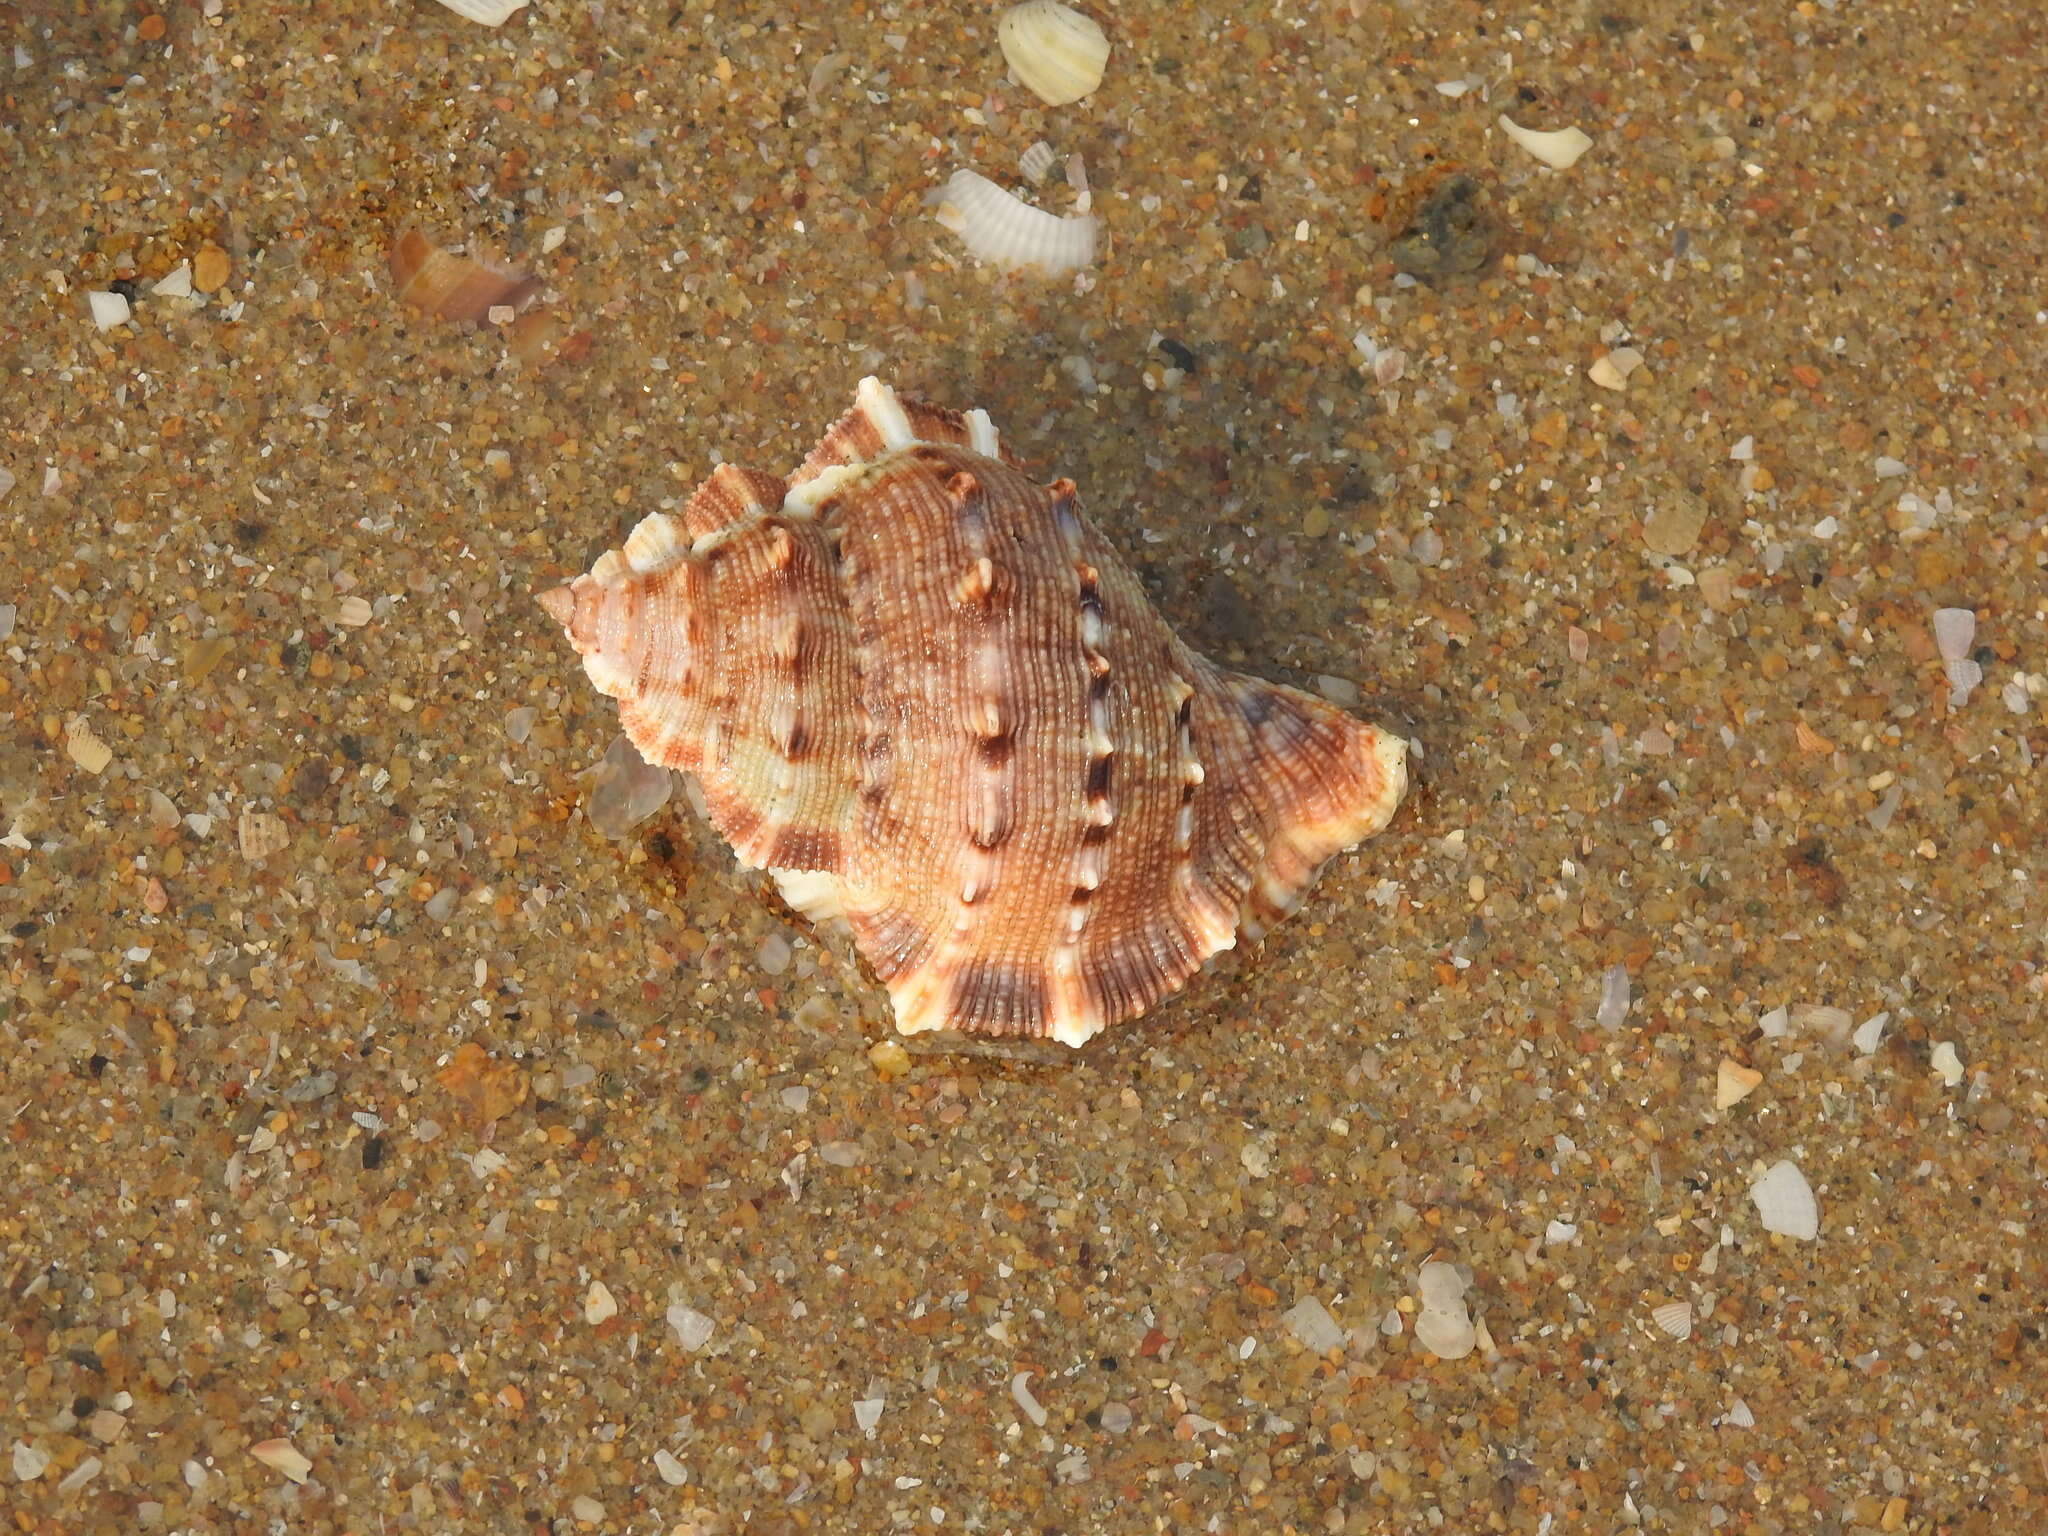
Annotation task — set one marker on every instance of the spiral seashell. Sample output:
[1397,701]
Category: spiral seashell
[454,287]
[1055,51]
[919,688]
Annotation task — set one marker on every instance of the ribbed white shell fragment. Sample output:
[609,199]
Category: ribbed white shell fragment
[1002,229]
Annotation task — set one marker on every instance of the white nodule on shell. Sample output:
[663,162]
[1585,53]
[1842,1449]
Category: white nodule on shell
[1674,1317]
[1559,148]
[1055,51]
[885,411]
[803,500]
[819,896]
[1785,1203]
[981,435]
[654,545]
[492,13]
[1002,229]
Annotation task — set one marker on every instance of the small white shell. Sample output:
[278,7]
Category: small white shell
[492,13]
[1005,231]
[1674,1317]
[1785,1203]
[1054,50]
[1559,149]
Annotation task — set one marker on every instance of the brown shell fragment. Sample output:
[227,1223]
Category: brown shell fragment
[455,287]
[923,691]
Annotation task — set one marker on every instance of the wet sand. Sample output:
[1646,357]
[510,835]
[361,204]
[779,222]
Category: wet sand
[386,1150]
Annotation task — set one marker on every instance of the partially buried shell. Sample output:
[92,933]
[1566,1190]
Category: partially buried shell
[455,287]
[920,688]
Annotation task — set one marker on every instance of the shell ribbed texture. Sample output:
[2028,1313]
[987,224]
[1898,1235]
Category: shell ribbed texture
[920,678]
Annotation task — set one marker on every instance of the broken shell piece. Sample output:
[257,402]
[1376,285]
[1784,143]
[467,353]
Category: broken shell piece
[1611,370]
[1733,1083]
[1948,1066]
[86,748]
[108,309]
[261,834]
[916,685]
[454,287]
[1055,51]
[1674,1317]
[492,13]
[1036,163]
[1005,231]
[282,1456]
[625,790]
[1955,630]
[1785,1203]
[1559,148]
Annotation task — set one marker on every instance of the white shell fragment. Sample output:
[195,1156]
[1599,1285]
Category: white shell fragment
[492,13]
[1558,148]
[108,309]
[175,284]
[1444,1326]
[1020,1393]
[1674,1317]
[1036,163]
[1785,1203]
[1055,51]
[1870,1033]
[1955,631]
[598,1304]
[1946,1063]
[1003,230]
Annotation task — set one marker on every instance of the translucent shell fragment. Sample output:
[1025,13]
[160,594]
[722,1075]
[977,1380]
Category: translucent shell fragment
[919,687]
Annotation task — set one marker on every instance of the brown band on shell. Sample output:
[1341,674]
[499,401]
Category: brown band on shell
[999,997]
[729,497]
[804,848]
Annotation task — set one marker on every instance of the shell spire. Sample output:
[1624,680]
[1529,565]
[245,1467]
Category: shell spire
[921,689]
